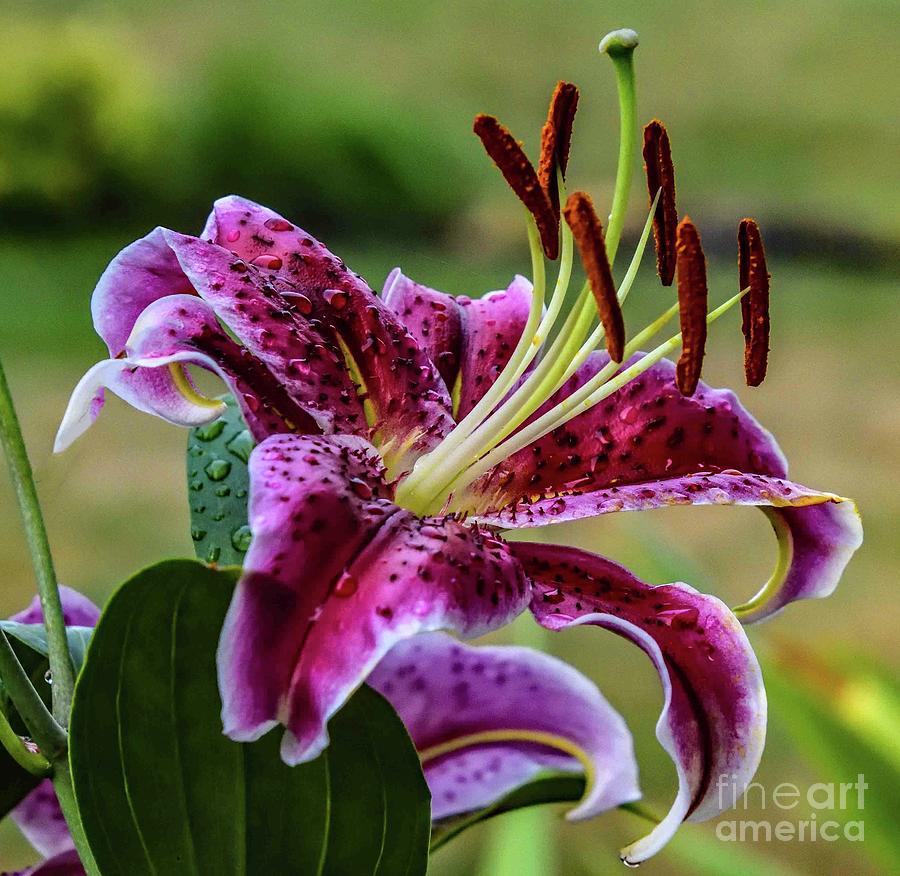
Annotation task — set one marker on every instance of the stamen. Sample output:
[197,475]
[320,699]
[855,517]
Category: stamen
[556,137]
[661,178]
[509,156]
[582,219]
[755,307]
[692,299]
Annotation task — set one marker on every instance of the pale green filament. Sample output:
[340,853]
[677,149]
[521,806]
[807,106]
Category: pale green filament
[562,360]
[620,46]
[598,388]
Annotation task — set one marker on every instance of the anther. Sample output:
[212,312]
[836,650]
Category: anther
[661,178]
[692,299]
[588,234]
[507,153]
[755,304]
[556,138]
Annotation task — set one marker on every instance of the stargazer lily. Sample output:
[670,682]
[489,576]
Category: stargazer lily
[400,436]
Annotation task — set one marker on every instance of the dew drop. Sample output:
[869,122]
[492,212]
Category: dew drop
[557,507]
[241,446]
[213,554]
[218,469]
[219,516]
[336,298]
[272,262]
[300,301]
[679,618]
[241,537]
[196,486]
[361,488]
[252,402]
[210,432]
[198,534]
[216,280]
[48,677]
[346,586]
[233,235]
[276,223]
[223,490]
[554,597]
[241,493]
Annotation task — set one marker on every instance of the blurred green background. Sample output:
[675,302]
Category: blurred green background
[355,121]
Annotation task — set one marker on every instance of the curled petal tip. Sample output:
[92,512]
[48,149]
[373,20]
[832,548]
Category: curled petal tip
[619,42]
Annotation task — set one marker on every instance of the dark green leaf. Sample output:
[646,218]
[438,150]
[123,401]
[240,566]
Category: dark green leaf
[161,790]
[218,481]
[546,787]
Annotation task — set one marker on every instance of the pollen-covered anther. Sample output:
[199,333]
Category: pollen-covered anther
[509,156]
[661,178]
[588,233]
[755,304]
[692,303]
[556,138]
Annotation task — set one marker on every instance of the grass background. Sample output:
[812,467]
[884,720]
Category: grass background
[354,120]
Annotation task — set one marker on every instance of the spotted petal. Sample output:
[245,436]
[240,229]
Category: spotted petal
[335,576]
[714,716]
[648,446]
[486,720]
[410,406]
[178,330]
[470,340]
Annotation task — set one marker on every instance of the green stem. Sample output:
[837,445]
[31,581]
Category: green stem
[31,761]
[50,737]
[36,535]
[65,793]
[620,46]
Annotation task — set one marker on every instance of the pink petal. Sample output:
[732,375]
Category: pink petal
[714,718]
[411,404]
[337,574]
[648,446]
[446,692]
[470,340]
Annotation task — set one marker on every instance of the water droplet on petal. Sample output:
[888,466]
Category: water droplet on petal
[241,538]
[300,301]
[557,506]
[198,534]
[233,235]
[218,469]
[346,586]
[336,298]
[361,488]
[276,223]
[272,262]
[216,280]
[554,597]
[679,618]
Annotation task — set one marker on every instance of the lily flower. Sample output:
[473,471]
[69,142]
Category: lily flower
[400,436]
[39,815]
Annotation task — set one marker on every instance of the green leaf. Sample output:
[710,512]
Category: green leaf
[546,787]
[218,482]
[161,790]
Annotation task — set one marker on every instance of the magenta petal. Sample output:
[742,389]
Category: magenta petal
[64,864]
[470,340]
[337,574]
[714,718]
[433,318]
[78,610]
[410,404]
[648,446]
[41,821]
[143,272]
[447,693]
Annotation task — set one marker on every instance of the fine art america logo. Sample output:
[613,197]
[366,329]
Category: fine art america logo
[804,815]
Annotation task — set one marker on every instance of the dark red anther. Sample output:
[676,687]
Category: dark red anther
[588,233]
[661,178]
[755,304]
[556,138]
[507,153]
[692,303]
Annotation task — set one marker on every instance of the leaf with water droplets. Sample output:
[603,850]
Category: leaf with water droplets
[218,482]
